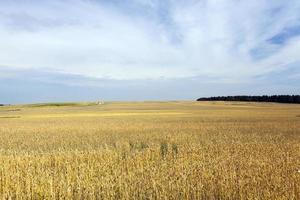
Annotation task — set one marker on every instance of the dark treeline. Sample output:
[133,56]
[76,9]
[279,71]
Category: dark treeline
[264,98]
[1,104]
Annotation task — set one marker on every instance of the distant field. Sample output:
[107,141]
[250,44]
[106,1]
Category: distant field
[150,150]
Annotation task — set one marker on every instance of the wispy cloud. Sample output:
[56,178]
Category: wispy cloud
[151,39]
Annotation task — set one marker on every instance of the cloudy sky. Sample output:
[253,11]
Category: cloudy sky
[82,50]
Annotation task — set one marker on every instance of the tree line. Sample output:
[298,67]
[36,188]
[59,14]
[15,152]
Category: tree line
[264,98]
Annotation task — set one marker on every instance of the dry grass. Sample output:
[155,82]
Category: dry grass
[150,150]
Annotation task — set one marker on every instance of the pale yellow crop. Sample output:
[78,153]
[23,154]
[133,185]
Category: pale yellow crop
[150,150]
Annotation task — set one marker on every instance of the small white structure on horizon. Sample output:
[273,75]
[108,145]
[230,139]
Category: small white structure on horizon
[100,102]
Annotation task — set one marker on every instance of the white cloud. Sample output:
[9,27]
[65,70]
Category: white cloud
[175,39]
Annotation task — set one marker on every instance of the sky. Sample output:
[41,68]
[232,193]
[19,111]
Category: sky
[86,50]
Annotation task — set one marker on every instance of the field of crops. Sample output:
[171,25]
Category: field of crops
[150,150]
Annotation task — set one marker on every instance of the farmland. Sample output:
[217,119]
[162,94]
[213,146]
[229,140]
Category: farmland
[150,150]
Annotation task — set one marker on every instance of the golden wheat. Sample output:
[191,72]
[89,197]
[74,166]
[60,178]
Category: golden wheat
[150,150]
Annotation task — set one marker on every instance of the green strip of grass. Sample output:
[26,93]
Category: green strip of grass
[9,117]
[60,104]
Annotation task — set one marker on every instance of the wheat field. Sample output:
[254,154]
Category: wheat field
[150,150]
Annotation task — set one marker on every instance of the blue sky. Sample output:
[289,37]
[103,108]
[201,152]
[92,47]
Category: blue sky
[78,50]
